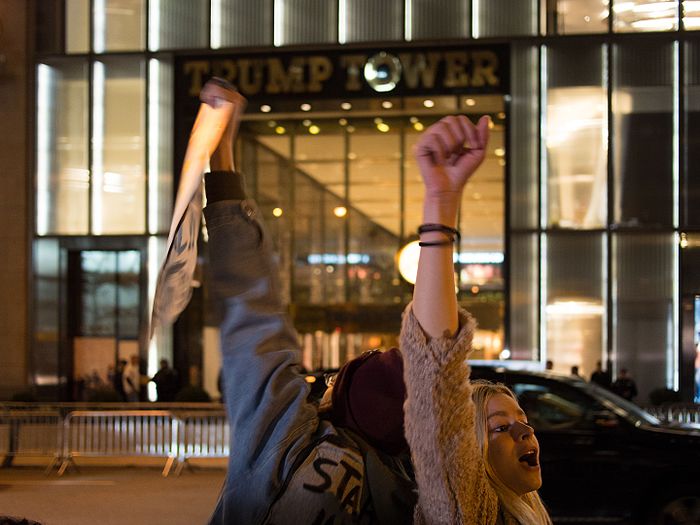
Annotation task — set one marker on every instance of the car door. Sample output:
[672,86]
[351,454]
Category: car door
[581,451]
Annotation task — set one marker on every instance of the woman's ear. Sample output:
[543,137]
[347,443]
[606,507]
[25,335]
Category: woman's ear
[326,401]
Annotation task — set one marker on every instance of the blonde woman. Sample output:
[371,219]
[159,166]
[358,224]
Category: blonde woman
[476,459]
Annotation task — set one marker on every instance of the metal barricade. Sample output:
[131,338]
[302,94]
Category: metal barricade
[125,433]
[35,433]
[676,413]
[202,435]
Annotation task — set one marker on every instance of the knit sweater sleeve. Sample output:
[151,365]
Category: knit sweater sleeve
[439,419]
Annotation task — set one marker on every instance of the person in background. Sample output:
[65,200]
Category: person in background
[131,379]
[118,379]
[624,386]
[575,371]
[601,377]
[166,381]
[549,365]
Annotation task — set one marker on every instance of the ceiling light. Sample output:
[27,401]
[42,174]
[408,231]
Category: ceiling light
[470,102]
[306,122]
[314,129]
[340,211]
[280,130]
[346,106]
[383,127]
[429,103]
[418,126]
[343,122]
[277,212]
[387,104]
[305,107]
[265,108]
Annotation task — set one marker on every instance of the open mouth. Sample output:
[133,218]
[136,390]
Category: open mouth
[529,458]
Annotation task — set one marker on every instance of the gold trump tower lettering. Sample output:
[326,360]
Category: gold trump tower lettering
[325,74]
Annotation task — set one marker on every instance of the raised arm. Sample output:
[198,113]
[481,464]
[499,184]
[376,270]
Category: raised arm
[270,418]
[436,339]
[446,165]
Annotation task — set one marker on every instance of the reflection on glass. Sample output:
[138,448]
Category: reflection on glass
[523,296]
[645,15]
[577,145]
[504,18]
[690,211]
[577,16]
[305,22]
[437,19]
[62,177]
[119,25]
[177,24]
[237,23]
[523,153]
[47,310]
[574,300]
[645,134]
[77,19]
[160,140]
[691,14]
[119,181]
[645,307]
[696,338]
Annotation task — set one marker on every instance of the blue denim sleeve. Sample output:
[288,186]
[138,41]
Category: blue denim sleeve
[270,418]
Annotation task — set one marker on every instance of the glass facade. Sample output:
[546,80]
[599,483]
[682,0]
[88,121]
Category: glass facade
[578,239]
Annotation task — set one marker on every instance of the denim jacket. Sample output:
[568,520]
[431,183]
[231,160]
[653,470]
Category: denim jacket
[287,465]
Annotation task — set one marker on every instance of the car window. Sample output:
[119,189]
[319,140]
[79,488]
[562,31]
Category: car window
[550,407]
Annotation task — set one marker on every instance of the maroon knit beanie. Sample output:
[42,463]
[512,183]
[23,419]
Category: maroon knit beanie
[368,396]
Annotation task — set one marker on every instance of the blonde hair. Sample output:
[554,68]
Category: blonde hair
[527,509]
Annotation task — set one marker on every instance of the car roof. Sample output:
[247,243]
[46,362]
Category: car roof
[505,374]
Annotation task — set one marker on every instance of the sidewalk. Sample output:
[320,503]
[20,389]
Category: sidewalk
[110,496]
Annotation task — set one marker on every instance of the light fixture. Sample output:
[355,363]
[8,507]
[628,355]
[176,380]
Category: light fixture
[271,123]
[305,107]
[470,102]
[277,212]
[346,106]
[407,261]
[383,72]
[418,126]
[383,127]
[265,108]
[340,211]
[387,104]
[314,129]
[351,129]
[429,103]
[413,120]
[306,123]
[280,130]
[343,122]
[500,152]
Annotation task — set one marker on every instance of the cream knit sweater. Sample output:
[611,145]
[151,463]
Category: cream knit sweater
[439,414]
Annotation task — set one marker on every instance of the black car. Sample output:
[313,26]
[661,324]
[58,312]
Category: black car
[605,460]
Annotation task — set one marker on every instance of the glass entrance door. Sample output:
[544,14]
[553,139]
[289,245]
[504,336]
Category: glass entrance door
[104,324]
